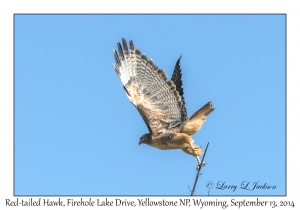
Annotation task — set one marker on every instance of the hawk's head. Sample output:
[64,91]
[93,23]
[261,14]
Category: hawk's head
[145,139]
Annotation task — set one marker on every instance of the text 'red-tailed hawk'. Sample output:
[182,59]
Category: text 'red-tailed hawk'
[159,101]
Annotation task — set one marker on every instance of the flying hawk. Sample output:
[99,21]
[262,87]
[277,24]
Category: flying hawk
[159,101]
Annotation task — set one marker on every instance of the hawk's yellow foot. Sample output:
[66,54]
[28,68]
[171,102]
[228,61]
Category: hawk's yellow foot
[199,163]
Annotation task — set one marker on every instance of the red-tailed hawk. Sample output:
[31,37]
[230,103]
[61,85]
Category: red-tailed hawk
[159,101]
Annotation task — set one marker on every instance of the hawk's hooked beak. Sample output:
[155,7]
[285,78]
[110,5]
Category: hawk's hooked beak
[141,141]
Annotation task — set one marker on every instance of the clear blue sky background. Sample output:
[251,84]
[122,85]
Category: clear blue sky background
[76,133]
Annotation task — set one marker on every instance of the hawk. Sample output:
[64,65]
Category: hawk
[159,101]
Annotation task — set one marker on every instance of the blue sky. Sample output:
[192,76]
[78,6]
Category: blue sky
[76,133]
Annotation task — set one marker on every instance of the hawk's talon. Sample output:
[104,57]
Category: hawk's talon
[198,166]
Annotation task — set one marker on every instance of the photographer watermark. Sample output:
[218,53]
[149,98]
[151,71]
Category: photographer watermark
[244,185]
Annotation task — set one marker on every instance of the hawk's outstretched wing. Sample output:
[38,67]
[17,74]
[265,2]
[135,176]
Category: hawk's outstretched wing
[158,100]
[176,78]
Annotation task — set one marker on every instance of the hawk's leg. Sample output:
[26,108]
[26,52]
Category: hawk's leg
[198,159]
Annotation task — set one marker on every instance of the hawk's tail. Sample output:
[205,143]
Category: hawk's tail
[194,123]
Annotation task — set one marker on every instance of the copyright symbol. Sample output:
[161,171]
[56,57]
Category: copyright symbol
[209,185]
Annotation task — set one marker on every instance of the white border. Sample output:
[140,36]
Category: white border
[9,8]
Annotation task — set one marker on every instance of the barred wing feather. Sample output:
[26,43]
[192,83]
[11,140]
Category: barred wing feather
[158,100]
